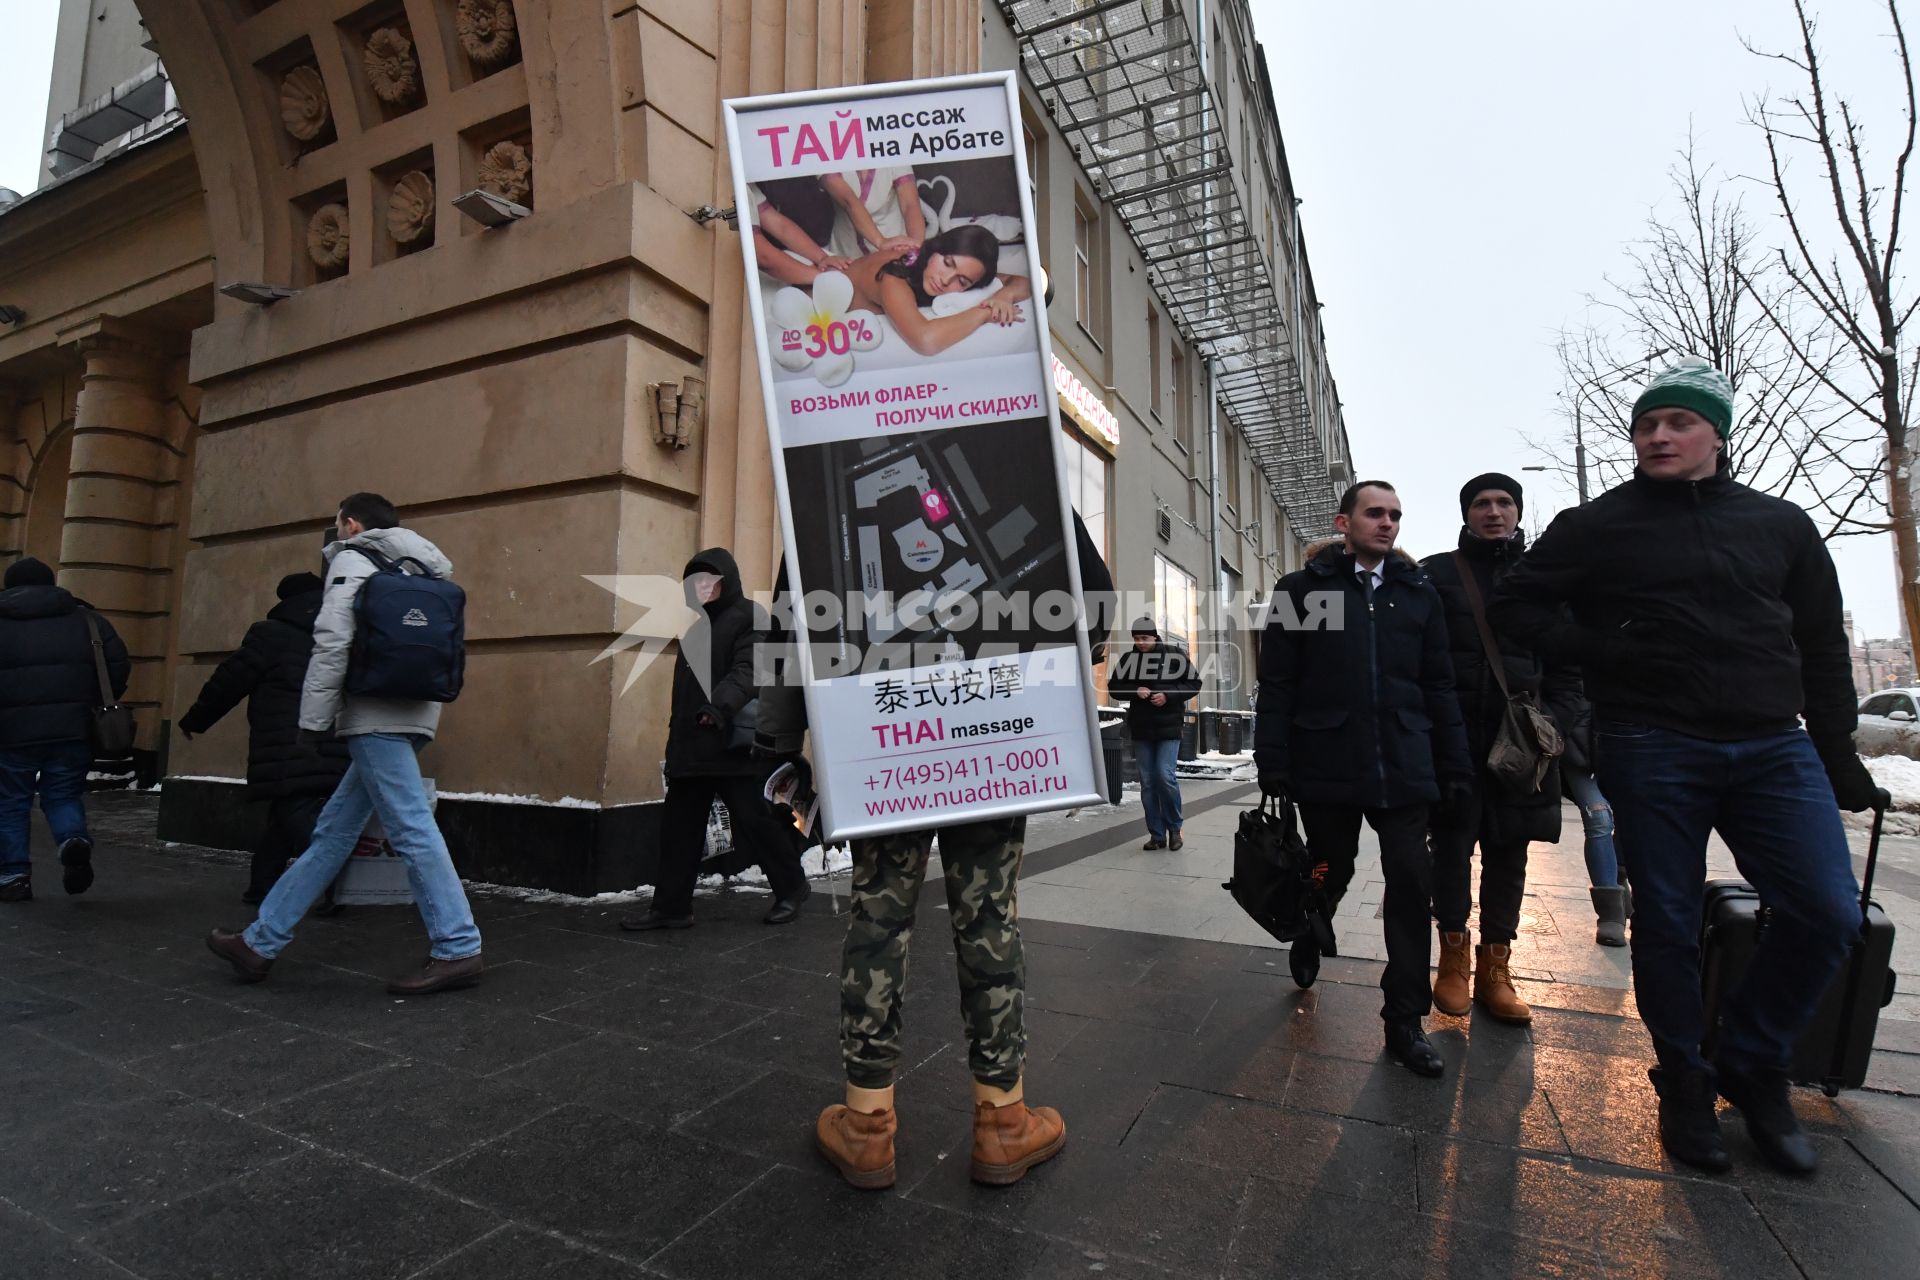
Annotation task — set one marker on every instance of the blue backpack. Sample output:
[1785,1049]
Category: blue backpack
[410,634]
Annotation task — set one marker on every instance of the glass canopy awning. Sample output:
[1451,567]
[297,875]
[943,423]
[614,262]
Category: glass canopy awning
[1124,82]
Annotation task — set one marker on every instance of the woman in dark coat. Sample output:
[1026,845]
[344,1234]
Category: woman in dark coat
[294,777]
[710,754]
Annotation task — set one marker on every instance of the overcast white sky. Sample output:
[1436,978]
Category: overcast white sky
[1471,170]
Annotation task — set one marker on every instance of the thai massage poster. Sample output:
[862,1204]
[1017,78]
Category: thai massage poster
[889,245]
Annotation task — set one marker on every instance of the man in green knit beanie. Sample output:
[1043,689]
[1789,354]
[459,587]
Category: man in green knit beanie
[1706,618]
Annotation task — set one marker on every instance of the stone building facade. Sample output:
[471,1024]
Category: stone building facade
[176,450]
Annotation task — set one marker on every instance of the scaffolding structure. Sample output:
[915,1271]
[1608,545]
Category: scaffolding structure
[1125,83]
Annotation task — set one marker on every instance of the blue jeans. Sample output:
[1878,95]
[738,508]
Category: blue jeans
[1596,815]
[58,772]
[384,778]
[1159,785]
[1770,801]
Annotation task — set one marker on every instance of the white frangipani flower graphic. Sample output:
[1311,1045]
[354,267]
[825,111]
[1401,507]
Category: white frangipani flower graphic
[818,331]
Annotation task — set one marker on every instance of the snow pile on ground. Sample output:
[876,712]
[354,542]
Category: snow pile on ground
[1901,777]
[816,862]
[1218,765]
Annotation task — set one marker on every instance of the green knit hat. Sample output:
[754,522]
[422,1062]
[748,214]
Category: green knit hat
[1690,384]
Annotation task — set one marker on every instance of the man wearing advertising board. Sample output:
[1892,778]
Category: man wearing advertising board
[949,692]
[981,864]
[1357,719]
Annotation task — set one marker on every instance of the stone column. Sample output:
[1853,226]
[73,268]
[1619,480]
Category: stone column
[13,480]
[915,39]
[129,439]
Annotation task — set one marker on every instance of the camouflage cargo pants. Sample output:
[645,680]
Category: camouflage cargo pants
[982,864]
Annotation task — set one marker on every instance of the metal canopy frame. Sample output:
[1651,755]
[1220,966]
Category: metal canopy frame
[1123,80]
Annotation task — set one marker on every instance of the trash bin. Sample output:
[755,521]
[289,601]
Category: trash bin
[1230,729]
[1113,749]
[1190,737]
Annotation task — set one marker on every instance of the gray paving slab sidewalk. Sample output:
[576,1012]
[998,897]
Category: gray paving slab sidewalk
[612,1105]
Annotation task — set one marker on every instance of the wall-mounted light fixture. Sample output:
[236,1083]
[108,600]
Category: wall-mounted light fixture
[489,209]
[11,315]
[679,408]
[261,295]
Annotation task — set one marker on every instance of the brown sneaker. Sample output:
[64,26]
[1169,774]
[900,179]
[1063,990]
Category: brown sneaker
[858,1138]
[1493,984]
[1010,1137]
[231,946]
[440,975]
[1451,994]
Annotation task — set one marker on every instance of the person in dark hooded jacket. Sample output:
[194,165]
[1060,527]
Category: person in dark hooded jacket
[1155,680]
[294,776]
[1499,818]
[710,753]
[49,685]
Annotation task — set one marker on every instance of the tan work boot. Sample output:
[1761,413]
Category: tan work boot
[1493,984]
[1451,992]
[1009,1137]
[857,1136]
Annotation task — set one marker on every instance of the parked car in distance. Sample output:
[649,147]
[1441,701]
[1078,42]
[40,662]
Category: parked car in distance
[1890,724]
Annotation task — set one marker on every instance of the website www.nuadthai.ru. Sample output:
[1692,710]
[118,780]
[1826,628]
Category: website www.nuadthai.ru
[1000,789]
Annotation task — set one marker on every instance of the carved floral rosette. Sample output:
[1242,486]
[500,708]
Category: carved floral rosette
[507,171]
[487,31]
[327,237]
[392,68]
[410,208]
[304,109]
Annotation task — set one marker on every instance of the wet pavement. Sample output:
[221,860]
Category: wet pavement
[611,1105]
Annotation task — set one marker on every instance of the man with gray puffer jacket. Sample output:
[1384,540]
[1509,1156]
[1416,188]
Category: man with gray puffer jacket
[383,737]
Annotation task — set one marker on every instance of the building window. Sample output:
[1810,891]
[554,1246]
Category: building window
[1089,267]
[1087,486]
[1176,602]
[1182,408]
[1230,464]
[1037,184]
[1154,388]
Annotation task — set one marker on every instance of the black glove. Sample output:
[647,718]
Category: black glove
[1456,801]
[1273,782]
[1853,787]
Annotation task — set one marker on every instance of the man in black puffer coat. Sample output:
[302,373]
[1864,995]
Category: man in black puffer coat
[1497,817]
[710,754]
[1357,720]
[48,686]
[293,776]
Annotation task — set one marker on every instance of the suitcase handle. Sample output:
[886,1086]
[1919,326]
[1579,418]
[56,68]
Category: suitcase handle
[1873,863]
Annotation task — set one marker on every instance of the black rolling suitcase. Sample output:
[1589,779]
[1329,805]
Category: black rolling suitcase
[1836,1048]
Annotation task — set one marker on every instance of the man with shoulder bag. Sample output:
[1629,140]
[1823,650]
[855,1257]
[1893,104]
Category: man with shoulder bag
[388,650]
[1506,693]
[62,672]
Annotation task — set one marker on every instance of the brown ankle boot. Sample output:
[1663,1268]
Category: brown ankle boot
[1451,993]
[857,1136]
[1493,984]
[1009,1137]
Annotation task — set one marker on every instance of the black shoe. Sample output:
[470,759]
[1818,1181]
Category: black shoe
[1761,1098]
[1175,842]
[1304,961]
[652,919]
[1407,1045]
[1689,1129]
[76,862]
[20,890]
[787,910]
[1155,843]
